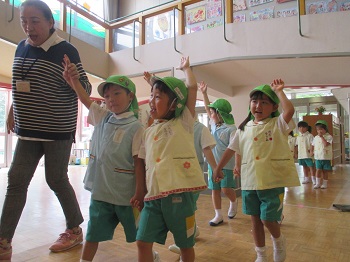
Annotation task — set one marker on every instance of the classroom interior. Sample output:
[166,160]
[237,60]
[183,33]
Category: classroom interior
[309,52]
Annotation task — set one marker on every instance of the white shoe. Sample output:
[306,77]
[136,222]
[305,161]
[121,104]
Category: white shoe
[306,181]
[279,249]
[156,257]
[175,249]
[232,212]
[216,221]
[323,187]
[317,186]
[261,254]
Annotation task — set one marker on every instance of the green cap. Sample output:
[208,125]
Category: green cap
[322,122]
[266,89]
[179,89]
[124,82]
[224,108]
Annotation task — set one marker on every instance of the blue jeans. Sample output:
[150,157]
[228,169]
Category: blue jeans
[25,161]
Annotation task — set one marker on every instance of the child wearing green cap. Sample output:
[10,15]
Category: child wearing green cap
[115,174]
[323,154]
[172,168]
[223,130]
[304,143]
[266,164]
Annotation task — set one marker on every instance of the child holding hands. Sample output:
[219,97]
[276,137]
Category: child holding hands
[266,164]
[223,130]
[115,174]
[172,169]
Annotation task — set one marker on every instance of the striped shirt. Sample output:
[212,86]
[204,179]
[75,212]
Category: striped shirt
[49,110]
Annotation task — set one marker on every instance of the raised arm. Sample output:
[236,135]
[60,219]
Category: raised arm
[71,75]
[277,86]
[191,84]
[203,87]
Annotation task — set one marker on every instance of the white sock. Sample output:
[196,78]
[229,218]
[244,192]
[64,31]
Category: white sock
[218,213]
[313,180]
[82,260]
[260,251]
[318,181]
[325,183]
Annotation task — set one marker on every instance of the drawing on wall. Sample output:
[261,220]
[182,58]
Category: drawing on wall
[258,2]
[239,5]
[196,28]
[316,7]
[163,22]
[287,12]
[262,14]
[239,18]
[215,23]
[345,6]
[195,15]
[332,6]
[214,9]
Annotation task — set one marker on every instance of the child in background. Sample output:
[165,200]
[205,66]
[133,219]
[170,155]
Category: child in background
[266,164]
[346,142]
[172,169]
[223,130]
[303,152]
[115,174]
[323,153]
[291,142]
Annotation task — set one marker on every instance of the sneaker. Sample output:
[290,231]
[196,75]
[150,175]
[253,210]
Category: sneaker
[260,254]
[5,252]
[317,186]
[156,257]
[216,221]
[279,249]
[175,249]
[306,181]
[323,187]
[232,212]
[66,241]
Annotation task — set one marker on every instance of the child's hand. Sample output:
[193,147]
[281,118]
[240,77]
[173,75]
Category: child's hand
[203,87]
[277,85]
[137,202]
[218,175]
[237,171]
[147,76]
[184,64]
[70,72]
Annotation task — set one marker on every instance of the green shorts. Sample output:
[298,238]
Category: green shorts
[104,218]
[306,162]
[323,165]
[228,181]
[267,204]
[174,213]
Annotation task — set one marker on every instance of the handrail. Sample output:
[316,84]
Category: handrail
[224,22]
[133,40]
[13,12]
[299,19]
[175,30]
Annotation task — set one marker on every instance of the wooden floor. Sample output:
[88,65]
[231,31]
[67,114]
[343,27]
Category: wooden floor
[314,230]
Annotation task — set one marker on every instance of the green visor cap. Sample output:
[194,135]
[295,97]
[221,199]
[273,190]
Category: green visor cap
[323,122]
[266,89]
[179,89]
[224,108]
[124,82]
